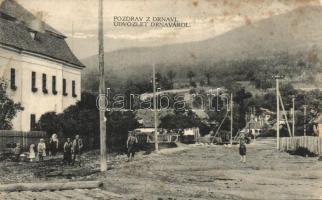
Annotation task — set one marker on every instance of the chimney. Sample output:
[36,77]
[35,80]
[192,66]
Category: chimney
[37,24]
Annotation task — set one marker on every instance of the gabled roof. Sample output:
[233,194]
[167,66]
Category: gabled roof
[16,25]
[13,9]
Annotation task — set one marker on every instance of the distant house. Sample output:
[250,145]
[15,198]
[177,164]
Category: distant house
[183,92]
[256,123]
[146,117]
[42,72]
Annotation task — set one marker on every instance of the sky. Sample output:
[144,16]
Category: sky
[77,19]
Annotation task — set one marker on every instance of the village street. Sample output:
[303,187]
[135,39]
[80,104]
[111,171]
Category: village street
[214,172]
[206,172]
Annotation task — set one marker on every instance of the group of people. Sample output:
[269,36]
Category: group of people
[42,149]
[72,149]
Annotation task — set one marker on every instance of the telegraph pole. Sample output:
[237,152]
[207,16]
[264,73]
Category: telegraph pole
[293,116]
[155,113]
[305,106]
[231,119]
[277,77]
[103,156]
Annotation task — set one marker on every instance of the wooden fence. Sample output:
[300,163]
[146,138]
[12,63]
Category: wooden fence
[312,143]
[142,138]
[9,137]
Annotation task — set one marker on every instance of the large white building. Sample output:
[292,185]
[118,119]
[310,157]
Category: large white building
[42,72]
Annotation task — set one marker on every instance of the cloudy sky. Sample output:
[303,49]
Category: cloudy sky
[77,19]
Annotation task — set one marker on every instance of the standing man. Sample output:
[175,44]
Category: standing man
[77,149]
[41,148]
[68,151]
[131,145]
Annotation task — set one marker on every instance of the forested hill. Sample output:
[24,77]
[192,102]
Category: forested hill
[287,43]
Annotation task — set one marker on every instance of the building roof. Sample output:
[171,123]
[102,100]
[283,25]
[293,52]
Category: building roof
[17,26]
[13,9]
[201,113]
[252,124]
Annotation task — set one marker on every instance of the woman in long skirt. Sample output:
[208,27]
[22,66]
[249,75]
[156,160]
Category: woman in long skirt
[32,154]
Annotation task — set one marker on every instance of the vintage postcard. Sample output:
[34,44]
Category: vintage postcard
[160,99]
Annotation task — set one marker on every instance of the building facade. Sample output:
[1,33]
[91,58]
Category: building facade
[41,71]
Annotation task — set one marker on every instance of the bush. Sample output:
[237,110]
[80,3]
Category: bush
[193,84]
[268,133]
[50,123]
[301,151]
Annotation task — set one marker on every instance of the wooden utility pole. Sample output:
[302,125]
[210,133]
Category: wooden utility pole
[102,111]
[305,119]
[277,77]
[155,113]
[277,115]
[293,116]
[231,119]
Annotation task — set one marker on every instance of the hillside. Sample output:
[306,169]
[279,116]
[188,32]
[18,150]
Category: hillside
[293,32]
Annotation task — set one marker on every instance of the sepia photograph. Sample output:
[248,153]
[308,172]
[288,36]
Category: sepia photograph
[160,99]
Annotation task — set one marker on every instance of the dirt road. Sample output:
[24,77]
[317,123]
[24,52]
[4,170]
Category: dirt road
[214,172]
[199,172]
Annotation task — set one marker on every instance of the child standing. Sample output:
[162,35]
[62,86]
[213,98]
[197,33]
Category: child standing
[17,152]
[41,150]
[242,148]
[32,154]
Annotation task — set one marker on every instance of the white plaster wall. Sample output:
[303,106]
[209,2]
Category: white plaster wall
[39,103]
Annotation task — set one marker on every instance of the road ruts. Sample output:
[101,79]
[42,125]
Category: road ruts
[77,194]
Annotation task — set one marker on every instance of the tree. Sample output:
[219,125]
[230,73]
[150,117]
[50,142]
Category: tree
[239,97]
[50,123]
[182,120]
[208,76]
[171,75]
[118,125]
[82,119]
[162,81]
[190,76]
[8,108]
[202,83]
